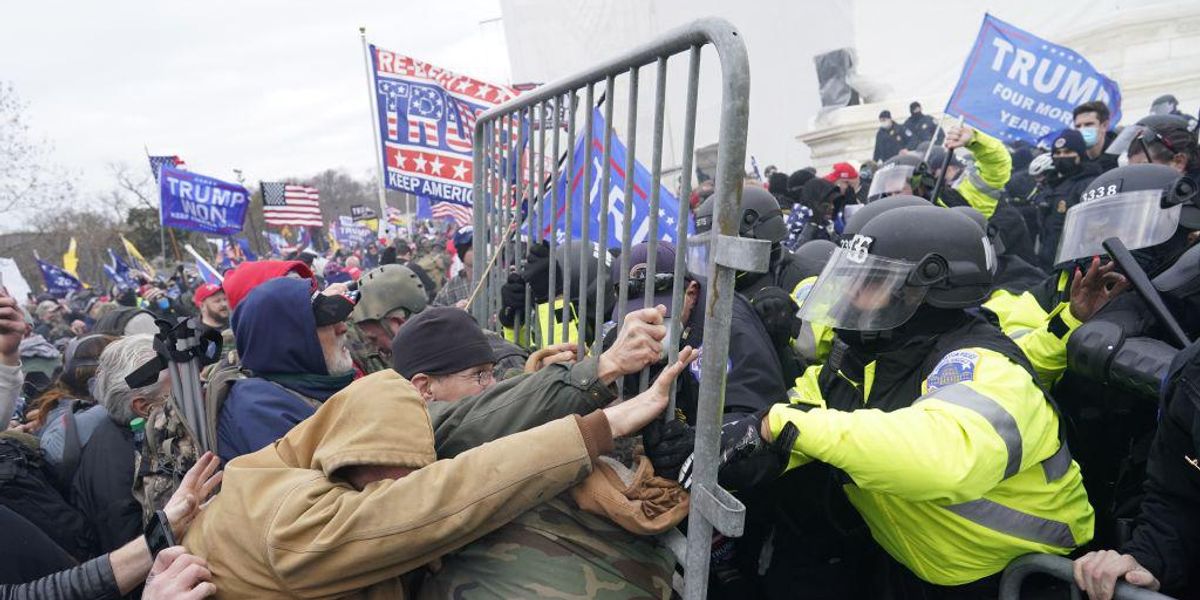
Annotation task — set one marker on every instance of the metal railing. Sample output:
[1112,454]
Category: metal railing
[1060,568]
[520,193]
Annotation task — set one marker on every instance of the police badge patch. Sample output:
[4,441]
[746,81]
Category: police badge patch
[956,367]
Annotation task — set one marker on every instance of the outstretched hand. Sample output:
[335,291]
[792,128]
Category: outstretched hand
[197,485]
[631,415]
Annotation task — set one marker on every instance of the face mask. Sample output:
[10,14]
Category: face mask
[1066,165]
[1090,135]
[885,124]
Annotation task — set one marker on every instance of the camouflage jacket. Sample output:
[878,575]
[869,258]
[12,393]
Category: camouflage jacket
[555,550]
[164,458]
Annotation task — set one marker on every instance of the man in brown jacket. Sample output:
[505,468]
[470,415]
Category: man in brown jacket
[353,498]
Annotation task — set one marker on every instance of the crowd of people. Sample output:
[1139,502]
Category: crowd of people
[937,374]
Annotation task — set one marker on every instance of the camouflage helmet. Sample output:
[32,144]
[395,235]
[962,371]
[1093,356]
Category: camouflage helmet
[385,289]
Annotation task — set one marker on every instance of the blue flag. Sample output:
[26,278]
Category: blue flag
[118,271]
[199,203]
[58,281]
[207,273]
[554,213]
[1017,86]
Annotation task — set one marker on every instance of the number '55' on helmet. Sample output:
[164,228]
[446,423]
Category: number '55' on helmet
[899,260]
[385,289]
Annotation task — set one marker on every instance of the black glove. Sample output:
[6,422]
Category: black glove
[746,459]
[537,271]
[668,444]
[512,299]
[777,311]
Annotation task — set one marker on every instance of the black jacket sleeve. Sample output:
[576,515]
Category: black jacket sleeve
[1167,537]
[755,379]
[92,580]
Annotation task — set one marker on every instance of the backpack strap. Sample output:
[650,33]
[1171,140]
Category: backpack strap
[72,446]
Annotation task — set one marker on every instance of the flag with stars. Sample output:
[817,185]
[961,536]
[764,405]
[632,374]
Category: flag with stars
[796,221]
[157,162]
[554,212]
[426,119]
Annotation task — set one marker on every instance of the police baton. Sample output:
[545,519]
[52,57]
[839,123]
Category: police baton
[1145,288]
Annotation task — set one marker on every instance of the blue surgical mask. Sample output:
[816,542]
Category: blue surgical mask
[1090,135]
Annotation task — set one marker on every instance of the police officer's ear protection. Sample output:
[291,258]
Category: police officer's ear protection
[1183,191]
[930,271]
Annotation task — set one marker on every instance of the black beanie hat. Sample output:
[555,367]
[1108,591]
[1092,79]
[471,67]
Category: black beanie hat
[439,341]
[796,182]
[777,183]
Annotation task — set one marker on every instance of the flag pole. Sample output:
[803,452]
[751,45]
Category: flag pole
[378,149]
[162,228]
[200,259]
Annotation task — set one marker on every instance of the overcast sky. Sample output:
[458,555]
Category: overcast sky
[276,88]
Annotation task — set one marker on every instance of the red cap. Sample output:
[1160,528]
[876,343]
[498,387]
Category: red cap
[204,291]
[246,276]
[841,171]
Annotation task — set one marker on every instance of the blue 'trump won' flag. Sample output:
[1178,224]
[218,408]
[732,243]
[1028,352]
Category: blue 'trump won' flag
[554,212]
[199,203]
[1018,86]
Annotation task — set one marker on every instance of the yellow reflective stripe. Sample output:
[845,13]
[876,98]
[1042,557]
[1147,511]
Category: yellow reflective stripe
[960,394]
[1009,521]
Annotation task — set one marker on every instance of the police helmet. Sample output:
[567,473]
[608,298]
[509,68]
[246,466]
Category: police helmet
[388,288]
[860,217]
[761,218]
[901,260]
[811,257]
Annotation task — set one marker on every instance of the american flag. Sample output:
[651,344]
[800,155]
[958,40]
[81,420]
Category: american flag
[796,221]
[287,204]
[156,163]
[442,209]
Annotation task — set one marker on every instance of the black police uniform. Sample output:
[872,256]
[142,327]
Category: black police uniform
[920,128]
[889,142]
[1167,538]
[1054,202]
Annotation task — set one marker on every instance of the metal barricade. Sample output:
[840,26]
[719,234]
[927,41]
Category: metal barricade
[1060,568]
[518,184]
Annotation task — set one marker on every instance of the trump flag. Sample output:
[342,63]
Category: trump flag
[426,117]
[1017,86]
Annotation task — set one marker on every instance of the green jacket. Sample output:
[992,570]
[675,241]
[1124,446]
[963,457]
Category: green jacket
[555,550]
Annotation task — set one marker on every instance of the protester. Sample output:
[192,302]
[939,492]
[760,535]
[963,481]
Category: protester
[12,332]
[389,295]
[214,307]
[102,483]
[33,567]
[1092,121]
[458,288]
[404,257]
[294,344]
[358,490]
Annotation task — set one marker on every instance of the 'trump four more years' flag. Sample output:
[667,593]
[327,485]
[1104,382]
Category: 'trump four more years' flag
[199,203]
[1017,86]
[554,213]
[426,116]
[287,204]
[158,162]
[58,281]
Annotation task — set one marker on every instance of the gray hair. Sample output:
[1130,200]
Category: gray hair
[118,360]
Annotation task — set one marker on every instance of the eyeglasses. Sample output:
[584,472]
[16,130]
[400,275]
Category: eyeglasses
[662,282]
[482,378]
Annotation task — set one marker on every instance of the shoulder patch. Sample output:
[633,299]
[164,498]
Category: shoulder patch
[956,367]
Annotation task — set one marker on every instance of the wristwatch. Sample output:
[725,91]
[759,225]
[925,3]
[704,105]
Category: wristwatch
[158,533]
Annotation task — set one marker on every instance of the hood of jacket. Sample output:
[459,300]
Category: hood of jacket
[379,420]
[275,330]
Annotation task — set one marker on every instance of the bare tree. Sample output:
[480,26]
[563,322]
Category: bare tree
[28,179]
